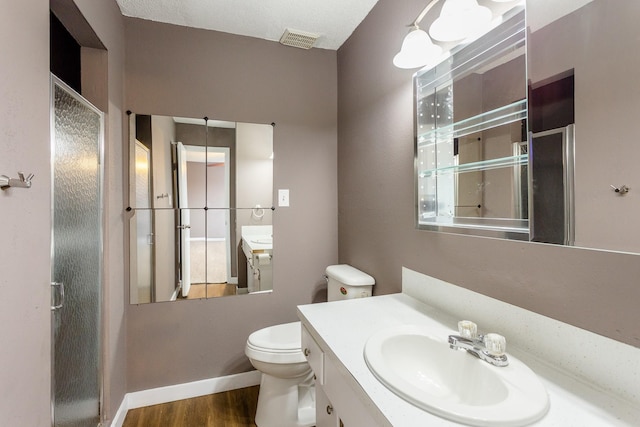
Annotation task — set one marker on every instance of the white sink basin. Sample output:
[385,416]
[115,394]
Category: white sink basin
[423,370]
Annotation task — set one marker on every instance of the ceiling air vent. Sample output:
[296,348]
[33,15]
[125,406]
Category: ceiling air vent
[297,38]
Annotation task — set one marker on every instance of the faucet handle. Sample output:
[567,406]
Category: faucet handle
[495,344]
[467,329]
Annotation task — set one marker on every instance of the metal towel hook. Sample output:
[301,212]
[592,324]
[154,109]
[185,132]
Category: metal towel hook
[621,190]
[21,181]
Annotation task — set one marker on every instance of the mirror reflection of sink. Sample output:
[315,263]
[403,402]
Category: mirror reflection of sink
[263,241]
[423,370]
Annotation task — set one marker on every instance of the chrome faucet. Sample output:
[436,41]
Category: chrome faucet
[490,347]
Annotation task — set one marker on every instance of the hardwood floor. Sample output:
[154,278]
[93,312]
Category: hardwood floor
[212,290]
[235,408]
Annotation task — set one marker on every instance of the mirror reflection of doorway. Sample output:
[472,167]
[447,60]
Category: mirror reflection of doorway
[552,205]
[143,226]
[184,220]
[204,179]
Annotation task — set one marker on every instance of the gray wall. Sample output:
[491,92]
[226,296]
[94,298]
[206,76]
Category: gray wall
[591,289]
[25,214]
[238,79]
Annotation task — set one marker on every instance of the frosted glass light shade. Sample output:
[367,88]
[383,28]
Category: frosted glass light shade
[459,19]
[417,50]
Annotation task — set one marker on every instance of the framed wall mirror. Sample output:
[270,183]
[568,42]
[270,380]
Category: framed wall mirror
[200,205]
[537,153]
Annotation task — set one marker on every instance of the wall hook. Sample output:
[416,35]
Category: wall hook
[21,181]
[621,190]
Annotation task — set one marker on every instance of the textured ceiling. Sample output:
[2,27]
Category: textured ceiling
[333,20]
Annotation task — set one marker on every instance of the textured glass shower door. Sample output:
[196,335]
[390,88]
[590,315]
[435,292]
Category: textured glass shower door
[77,129]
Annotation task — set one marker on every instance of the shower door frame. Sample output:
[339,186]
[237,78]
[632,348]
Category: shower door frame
[55,81]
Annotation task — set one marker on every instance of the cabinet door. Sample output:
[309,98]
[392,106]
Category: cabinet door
[349,407]
[325,415]
[314,355]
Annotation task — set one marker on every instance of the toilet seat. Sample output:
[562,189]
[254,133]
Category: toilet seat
[276,344]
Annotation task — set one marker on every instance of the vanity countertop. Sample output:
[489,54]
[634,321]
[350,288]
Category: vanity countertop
[257,244]
[342,328]
[257,238]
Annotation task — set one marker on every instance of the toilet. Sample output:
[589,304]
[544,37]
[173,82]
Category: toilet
[287,387]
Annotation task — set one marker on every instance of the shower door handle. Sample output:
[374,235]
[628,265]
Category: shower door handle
[57,295]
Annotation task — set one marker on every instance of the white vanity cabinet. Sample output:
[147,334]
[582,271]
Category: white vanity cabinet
[585,387]
[336,403]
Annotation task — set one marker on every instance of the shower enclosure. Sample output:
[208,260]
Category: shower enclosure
[76,265]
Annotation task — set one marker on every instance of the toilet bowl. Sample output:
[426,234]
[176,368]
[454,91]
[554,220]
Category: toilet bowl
[287,393]
[287,387]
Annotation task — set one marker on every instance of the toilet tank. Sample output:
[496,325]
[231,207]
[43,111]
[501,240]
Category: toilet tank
[346,282]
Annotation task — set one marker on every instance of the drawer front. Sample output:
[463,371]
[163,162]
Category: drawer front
[314,355]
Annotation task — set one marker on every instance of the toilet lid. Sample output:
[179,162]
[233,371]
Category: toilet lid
[284,337]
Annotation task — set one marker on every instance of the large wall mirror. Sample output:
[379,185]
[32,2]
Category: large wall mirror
[527,132]
[200,206]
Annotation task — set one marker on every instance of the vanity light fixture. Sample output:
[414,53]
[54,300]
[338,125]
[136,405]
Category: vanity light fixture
[459,19]
[417,48]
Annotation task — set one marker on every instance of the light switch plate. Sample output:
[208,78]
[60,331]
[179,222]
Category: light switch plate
[283,197]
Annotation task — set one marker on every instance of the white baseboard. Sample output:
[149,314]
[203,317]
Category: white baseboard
[118,419]
[154,396]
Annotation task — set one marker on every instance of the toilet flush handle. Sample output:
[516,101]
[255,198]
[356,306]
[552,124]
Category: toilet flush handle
[307,352]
